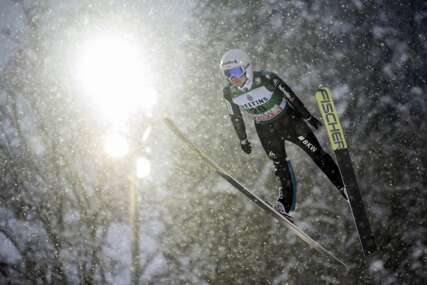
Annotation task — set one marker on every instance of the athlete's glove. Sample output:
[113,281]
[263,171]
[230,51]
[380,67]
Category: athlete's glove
[314,122]
[246,146]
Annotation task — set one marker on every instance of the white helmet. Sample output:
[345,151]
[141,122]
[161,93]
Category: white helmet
[237,58]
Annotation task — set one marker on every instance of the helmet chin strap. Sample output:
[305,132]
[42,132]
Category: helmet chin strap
[244,82]
[246,85]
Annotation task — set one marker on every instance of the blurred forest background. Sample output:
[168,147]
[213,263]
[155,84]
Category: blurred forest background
[64,204]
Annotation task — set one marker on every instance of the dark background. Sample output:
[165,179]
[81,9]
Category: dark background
[62,207]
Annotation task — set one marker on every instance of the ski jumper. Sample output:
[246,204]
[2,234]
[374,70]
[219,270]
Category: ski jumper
[279,115]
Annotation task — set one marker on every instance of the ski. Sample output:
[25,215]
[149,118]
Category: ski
[340,148]
[249,194]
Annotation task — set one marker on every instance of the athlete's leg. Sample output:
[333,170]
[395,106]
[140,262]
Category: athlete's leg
[272,139]
[301,135]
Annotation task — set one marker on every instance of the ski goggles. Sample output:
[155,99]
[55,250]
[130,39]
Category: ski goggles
[234,72]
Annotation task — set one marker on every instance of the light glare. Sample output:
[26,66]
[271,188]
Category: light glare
[114,74]
[143,167]
[116,145]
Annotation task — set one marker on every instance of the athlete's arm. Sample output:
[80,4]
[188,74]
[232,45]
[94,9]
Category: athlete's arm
[235,115]
[290,95]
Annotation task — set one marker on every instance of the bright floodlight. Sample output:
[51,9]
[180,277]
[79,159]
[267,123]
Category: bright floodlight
[146,134]
[143,167]
[113,72]
[116,145]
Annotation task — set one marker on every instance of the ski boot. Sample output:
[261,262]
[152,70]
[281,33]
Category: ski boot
[280,206]
[285,203]
[287,190]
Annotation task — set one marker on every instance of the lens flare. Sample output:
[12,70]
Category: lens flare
[143,167]
[113,73]
[116,145]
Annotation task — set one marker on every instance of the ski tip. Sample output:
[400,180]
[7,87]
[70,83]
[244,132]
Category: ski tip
[168,122]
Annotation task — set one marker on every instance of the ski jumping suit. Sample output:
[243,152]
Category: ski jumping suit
[279,115]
